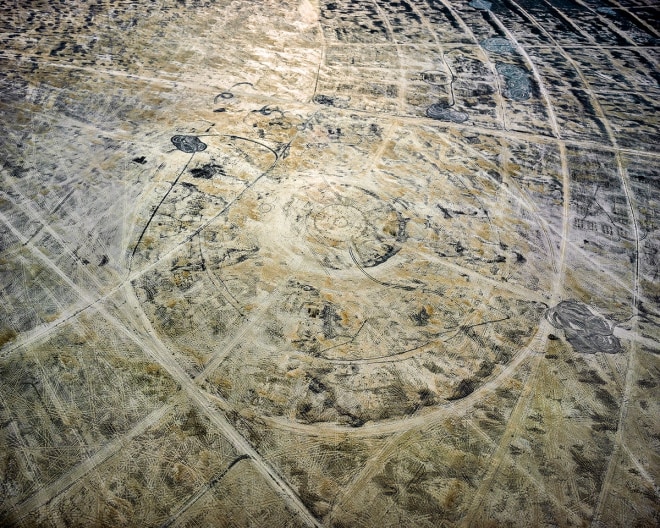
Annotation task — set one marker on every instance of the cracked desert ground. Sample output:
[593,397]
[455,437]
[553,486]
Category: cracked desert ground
[332,264]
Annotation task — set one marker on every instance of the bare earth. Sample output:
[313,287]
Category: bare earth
[341,264]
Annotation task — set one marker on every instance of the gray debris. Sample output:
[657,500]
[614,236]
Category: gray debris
[586,330]
[517,82]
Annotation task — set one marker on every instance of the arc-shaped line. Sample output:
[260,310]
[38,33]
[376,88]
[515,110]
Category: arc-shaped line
[153,214]
[631,358]
[202,491]
[87,303]
[562,153]
[402,73]
[483,54]
[426,418]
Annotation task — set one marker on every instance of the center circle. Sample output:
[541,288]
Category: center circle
[336,225]
[377,298]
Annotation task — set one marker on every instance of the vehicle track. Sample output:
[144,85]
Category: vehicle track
[47,493]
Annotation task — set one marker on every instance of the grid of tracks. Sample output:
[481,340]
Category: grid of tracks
[330,263]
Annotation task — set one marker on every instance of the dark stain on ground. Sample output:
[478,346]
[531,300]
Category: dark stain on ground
[587,331]
[193,424]
[54,52]
[188,144]
[330,319]
[317,386]
[647,383]
[207,172]
[324,100]
[420,318]
[463,389]
[383,254]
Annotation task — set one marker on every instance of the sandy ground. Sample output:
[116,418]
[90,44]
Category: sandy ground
[342,264]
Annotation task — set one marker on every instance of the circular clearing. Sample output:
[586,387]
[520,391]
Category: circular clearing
[338,225]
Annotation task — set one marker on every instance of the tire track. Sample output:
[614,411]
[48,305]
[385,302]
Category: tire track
[619,436]
[47,493]
[157,349]
[429,417]
[403,83]
[537,483]
[501,106]
[499,455]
